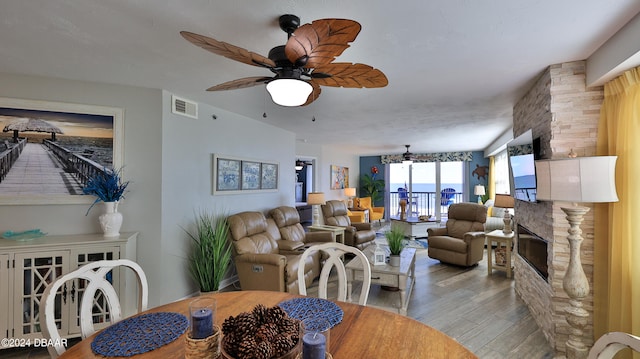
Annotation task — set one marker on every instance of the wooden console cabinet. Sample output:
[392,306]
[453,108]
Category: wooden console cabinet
[27,267]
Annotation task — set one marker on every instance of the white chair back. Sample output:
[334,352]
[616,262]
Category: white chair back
[609,344]
[95,274]
[335,252]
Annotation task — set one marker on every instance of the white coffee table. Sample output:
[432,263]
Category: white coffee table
[414,227]
[402,277]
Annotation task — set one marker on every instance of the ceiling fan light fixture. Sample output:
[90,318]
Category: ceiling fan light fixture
[407,157]
[299,165]
[289,92]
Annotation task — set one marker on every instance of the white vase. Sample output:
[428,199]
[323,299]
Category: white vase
[111,220]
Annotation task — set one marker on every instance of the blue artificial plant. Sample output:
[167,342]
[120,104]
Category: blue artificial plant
[106,185]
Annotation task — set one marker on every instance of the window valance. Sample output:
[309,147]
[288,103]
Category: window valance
[430,157]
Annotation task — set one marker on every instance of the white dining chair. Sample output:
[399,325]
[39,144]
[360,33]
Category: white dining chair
[609,344]
[95,273]
[335,252]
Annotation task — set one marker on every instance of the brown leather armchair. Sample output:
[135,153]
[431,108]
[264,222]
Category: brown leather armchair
[263,259]
[358,235]
[288,221]
[461,242]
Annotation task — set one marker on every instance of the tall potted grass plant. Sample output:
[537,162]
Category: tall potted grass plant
[211,253]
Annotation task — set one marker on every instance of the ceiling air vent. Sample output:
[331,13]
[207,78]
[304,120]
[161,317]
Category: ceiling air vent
[184,107]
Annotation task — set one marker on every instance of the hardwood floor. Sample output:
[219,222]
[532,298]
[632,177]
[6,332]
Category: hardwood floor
[482,312]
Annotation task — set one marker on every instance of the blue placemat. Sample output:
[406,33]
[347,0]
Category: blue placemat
[139,334]
[308,309]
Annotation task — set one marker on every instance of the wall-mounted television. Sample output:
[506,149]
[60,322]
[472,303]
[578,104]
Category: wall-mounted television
[522,155]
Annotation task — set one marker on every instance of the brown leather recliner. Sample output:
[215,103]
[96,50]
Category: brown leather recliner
[461,242]
[288,221]
[263,259]
[358,235]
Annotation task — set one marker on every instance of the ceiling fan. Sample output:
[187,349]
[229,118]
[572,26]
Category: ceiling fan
[302,65]
[407,157]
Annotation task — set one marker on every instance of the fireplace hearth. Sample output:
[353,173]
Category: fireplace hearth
[533,250]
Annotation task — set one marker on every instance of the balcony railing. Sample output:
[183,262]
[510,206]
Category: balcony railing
[423,203]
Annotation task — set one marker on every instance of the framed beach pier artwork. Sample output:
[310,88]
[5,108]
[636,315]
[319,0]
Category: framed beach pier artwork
[49,149]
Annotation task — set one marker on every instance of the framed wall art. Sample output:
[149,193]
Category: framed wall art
[250,175]
[233,175]
[72,139]
[228,174]
[339,177]
[269,176]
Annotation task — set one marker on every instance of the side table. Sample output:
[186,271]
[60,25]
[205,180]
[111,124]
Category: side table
[336,232]
[501,239]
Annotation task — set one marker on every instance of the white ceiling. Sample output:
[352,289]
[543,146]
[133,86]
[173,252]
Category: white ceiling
[455,67]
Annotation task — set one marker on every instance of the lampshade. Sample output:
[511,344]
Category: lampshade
[289,92]
[504,201]
[350,192]
[315,198]
[582,179]
[478,190]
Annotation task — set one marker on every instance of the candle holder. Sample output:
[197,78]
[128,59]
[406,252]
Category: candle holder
[207,348]
[315,338]
[202,314]
[203,338]
[327,356]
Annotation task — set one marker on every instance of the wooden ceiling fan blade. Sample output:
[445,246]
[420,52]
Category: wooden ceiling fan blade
[240,83]
[227,50]
[314,94]
[344,74]
[321,41]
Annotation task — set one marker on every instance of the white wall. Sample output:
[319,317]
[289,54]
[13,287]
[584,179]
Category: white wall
[168,160]
[327,156]
[187,179]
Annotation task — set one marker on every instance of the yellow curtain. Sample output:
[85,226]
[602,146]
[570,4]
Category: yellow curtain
[617,225]
[492,178]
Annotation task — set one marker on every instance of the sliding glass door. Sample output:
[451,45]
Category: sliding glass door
[428,187]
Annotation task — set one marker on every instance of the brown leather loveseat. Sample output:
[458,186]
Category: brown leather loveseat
[264,259]
[461,242]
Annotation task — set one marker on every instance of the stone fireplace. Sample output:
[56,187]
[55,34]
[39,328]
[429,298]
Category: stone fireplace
[564,115]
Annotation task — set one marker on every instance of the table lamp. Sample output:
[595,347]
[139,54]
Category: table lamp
[350,192]
[315,199]
[478,190]
[505,201]
[577,180]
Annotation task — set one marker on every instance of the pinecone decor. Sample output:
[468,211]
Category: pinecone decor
[263,333]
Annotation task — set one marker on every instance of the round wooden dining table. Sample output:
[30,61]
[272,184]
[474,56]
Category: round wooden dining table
[364,332]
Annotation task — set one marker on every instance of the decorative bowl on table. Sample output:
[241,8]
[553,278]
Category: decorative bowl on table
[263,332]
[294,353]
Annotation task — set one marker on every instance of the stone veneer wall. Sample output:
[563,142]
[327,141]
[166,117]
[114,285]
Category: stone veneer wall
[564,114]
